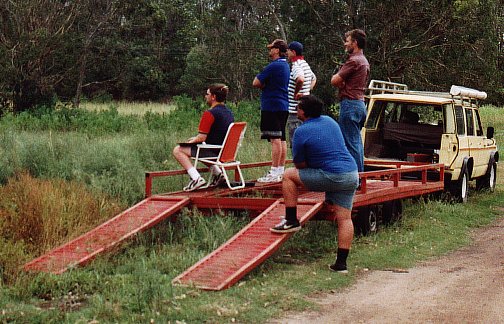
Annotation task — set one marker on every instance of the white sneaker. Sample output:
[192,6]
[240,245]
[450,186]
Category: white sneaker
[195,184]
[270,177]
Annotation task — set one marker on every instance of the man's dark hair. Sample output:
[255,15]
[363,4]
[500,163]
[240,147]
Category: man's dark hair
[311,105]
[220,90]
[358,35]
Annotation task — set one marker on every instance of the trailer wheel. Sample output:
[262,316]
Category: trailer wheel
[460,188]
[488,181]
[392,211]
[366,221]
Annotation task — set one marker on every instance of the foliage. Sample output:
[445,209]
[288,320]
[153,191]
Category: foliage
[36,215]
[154,50]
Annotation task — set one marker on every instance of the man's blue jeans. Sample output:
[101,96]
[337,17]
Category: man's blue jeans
[351,120]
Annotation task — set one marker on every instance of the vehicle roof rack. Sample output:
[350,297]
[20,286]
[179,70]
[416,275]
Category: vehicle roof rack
[461,95]
[380,87]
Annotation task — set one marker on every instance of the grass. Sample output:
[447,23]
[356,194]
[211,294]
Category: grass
[129,108]
[88,166]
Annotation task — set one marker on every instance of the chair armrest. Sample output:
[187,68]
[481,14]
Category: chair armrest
[209,146]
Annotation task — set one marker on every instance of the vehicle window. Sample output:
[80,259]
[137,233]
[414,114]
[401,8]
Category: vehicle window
[479,128]
[421,114]
[382,111]
[449,118]
[470,122]
[459,117]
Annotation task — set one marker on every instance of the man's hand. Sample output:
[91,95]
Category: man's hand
[337,81]
[298,96]
[257,84]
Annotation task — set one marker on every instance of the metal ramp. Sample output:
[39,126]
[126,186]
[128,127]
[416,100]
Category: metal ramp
[244,251]
[83,249]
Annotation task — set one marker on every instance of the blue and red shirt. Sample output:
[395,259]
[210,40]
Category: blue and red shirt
[215,123]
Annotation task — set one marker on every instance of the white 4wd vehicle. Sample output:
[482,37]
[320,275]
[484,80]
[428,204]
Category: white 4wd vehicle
[432,127]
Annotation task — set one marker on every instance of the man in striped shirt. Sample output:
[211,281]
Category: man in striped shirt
[302,80]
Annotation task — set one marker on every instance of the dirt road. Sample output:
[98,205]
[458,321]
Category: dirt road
[466,286]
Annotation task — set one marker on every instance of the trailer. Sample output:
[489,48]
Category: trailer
[379,199]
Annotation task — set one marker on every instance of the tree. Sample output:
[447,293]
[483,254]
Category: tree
[31,33]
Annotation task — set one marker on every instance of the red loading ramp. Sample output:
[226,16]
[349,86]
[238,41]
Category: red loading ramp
[244,251]
[83,249]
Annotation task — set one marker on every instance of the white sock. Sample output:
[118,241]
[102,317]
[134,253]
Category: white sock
[273,170]
[280,170]
[215,170]
[193,173]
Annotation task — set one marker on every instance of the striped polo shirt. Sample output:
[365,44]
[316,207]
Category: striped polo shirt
[299,68]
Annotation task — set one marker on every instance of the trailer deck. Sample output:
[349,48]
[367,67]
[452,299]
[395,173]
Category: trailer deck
[253,244]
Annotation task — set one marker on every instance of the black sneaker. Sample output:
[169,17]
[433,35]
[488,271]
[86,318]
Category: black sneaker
[341,268]
[217,180]
[286,227]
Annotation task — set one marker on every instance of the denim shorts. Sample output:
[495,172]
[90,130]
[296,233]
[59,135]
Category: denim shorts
[339,188]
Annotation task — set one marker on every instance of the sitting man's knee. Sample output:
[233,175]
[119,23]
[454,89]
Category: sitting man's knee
[290,173]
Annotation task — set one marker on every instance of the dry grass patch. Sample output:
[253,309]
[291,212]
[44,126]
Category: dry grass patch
[37,215]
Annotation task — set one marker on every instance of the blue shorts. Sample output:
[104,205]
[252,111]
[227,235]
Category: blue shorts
[339,188]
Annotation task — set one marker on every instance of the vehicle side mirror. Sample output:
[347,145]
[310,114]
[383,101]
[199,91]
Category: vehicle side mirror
[490,132]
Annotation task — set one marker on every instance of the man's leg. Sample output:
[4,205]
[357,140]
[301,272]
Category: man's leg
[352,116]
[292,124]
[345,237]
[183,156]
[290,184]
[276,152]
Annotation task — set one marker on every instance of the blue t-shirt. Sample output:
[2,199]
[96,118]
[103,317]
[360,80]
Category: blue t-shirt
[275,78]
[319,142]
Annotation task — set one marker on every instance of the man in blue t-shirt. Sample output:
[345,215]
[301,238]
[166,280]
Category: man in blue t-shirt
[323,163]
[274,83]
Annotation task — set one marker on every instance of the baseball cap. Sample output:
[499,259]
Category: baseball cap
[280,44]
[296,46]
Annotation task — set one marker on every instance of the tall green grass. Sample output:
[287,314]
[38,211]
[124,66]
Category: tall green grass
[107,150]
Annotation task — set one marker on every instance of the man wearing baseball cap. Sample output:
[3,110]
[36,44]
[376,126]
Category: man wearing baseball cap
[302,81]
[274,82]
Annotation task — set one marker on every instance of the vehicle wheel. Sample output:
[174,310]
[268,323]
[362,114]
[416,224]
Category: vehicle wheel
[366,221]
[460,188]
[392,211]
[488,181]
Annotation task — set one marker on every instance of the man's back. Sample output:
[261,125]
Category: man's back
[275,78]
[319,142]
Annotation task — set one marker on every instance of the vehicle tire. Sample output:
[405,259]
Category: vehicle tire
[460,188]
[488,181]
[366,221]
[392,211]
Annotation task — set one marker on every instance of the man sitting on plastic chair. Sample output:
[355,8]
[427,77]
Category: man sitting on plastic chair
[212,130]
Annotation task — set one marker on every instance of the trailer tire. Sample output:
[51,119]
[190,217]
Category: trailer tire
[460,188]
[366,221]
[392,211]
[488,181]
